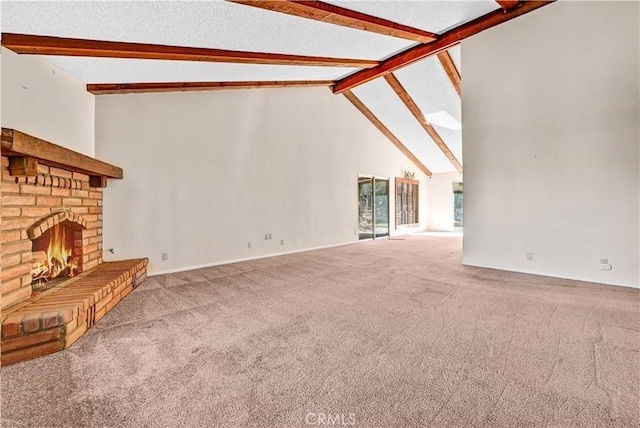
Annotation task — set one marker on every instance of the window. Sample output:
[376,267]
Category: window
[407,191]
[458,204]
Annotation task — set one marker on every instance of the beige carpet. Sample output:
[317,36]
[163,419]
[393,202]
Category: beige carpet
[390,333]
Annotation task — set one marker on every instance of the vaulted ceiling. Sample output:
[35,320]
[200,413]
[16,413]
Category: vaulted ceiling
[397,61]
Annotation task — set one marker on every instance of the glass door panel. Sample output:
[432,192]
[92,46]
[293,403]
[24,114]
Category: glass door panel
[381,217]
[365,211]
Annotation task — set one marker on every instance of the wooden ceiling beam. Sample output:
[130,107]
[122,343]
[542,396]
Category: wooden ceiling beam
[408,101]
[446,40]
[450,68]
[332,14]
[508,4]
[138,88]
[385,131]
[46,45]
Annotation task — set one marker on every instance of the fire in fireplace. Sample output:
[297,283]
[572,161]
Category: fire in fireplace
[53,255]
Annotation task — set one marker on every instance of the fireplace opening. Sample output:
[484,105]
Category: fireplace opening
[55,256]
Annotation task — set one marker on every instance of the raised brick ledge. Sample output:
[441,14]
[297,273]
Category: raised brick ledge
[55,319]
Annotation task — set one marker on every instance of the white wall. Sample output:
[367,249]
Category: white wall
[551,135]
[440,201]
[205,173]
[44,101]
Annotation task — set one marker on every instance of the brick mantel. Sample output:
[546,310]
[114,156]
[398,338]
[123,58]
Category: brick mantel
[27,151]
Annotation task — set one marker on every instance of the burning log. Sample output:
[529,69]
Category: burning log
[56,267]
[40,273]
[72,265]
[39,266]
[64,273]
[66,270]
[57,261]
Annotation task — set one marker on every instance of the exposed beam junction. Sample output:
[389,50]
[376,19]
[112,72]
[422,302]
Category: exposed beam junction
[450,68]
[387,133]
[508,4]
[444,42]
[417,113]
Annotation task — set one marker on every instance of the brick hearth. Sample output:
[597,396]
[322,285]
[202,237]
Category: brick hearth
[53,320]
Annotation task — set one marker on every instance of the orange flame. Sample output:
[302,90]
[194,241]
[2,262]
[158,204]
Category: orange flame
[58,255]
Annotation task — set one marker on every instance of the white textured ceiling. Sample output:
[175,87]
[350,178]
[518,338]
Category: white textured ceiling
[212,24]
[223,25]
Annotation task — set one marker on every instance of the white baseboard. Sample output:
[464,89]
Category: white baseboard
[246,259]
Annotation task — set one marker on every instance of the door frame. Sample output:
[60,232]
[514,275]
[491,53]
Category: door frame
[373,211]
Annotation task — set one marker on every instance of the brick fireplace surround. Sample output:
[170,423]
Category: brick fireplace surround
[44,185]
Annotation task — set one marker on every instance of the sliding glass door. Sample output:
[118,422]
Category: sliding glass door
[373,212]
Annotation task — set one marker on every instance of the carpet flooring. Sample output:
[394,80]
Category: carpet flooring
[386,333]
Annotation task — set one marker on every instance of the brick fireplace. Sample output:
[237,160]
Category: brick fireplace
[51,243]
[33,207]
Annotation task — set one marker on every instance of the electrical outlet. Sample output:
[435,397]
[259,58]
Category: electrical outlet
[250,245]
[165,256]
[604,265]
[270,237]
[282,242]
[266,236]
[529,256]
